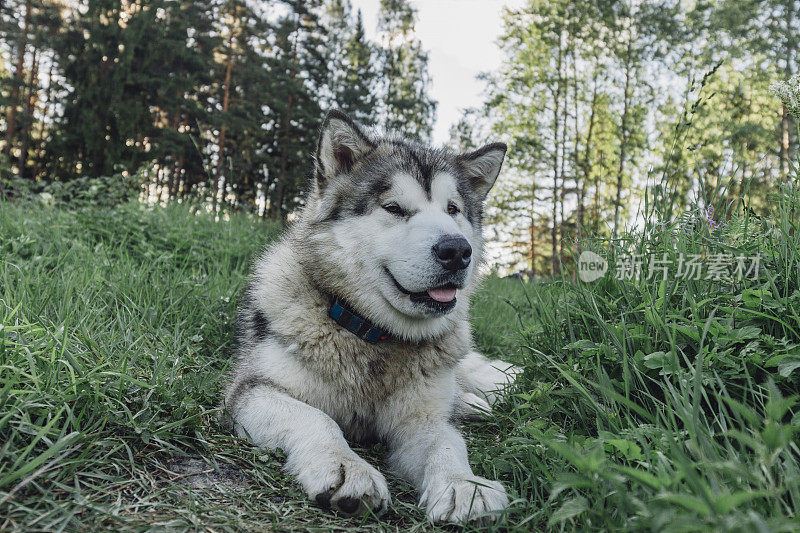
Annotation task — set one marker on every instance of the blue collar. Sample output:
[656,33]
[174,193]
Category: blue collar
[360,327]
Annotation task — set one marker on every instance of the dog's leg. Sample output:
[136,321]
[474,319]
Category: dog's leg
[428,451]
[481,381]
[317,453]
[433,456]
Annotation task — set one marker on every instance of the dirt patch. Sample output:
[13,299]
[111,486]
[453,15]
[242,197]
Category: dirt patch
[196,473]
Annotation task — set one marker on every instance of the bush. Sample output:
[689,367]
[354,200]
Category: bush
[6,175]
[105,191]
[78,193]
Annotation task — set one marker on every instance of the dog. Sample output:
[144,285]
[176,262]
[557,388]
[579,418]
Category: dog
[354,325]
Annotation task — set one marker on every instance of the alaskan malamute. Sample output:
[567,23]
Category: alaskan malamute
[355,325]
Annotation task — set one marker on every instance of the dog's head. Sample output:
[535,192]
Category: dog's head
[394,228]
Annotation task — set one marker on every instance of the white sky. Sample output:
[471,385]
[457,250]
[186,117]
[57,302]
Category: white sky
[460,36]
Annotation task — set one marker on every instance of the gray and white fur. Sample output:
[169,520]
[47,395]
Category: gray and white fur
[393,229]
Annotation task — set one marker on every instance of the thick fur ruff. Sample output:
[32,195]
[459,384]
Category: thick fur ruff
[303,383]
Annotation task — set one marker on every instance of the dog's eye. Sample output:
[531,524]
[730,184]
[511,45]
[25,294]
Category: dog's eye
[394,209]
[452,209]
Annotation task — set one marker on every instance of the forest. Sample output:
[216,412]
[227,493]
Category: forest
[219,102]
[213,99]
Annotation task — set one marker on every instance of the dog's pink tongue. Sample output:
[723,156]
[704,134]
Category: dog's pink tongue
[442,295]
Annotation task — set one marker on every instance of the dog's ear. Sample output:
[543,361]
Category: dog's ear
[341,143]
[482,166]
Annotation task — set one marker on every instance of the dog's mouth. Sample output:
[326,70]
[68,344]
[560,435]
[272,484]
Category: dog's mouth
[440,299]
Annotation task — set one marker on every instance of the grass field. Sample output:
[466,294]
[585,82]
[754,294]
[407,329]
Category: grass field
[644,405]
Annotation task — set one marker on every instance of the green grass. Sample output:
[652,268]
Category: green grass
[643,405]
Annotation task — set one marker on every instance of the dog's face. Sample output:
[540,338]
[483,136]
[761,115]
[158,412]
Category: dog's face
[396,227]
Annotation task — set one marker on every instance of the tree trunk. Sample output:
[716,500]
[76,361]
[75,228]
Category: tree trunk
[575,158]
[561,172]
[276,208]
[222,130]
[11,115]
[176,177]
[266,185]
[623,144]
[45,105]
[596,207]
[177,164]
[784,143]
[556,115]
[585,166]
[563,179]
[532,228]
[26,124]
[789,52]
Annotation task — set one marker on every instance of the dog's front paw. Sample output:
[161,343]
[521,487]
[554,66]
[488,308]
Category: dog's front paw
[498,375]
[468,406]
[348,485]
[473,499]
[486,378]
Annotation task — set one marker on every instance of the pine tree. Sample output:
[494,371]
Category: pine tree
[106,109]
[358,95]
[352,78]
[299,71]
[407,107]
[248,124]
[336,18]
[234,13]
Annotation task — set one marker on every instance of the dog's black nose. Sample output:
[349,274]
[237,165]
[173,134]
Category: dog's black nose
[453,253]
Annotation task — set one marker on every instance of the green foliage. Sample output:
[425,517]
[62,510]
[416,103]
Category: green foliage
[105,65]
[24,25]
[105,191]
[299,69]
